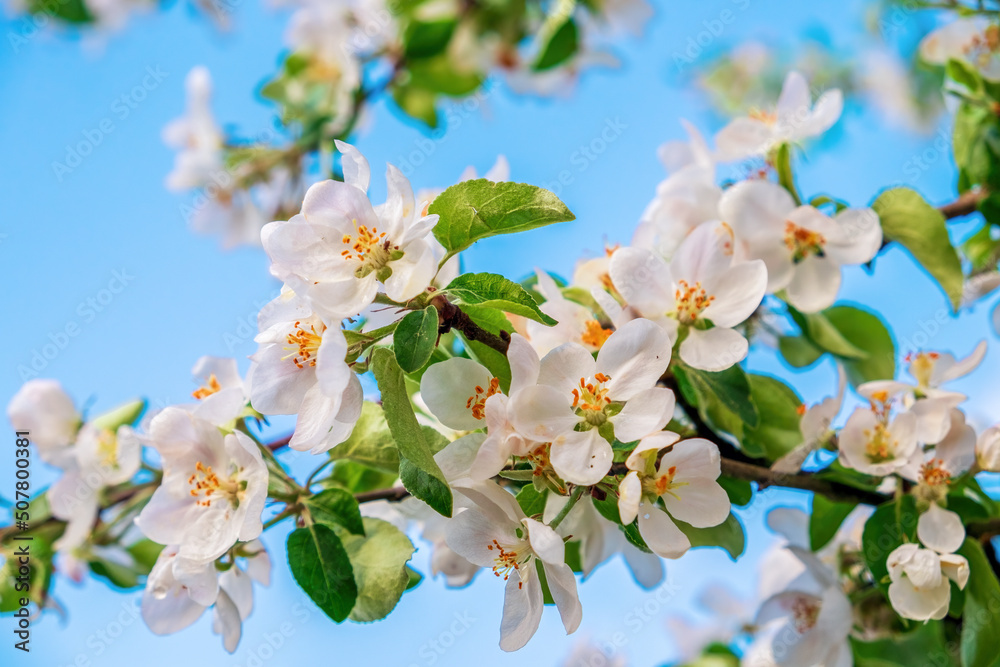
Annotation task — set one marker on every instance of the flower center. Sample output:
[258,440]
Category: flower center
[691,300]
[805,613]
[881,446]
[592,396]
[107,449]
[210,387]
[933,473]
[766,117]
[304,344]
[922,366]
[477,402]
[368,246]
[663,484]
[594,335]
[983,46]
[507,560]
[206,483]
[803,242]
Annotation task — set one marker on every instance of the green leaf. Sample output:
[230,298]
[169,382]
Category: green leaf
[920,228]
[126,414]
[729,388]
[727,535]
[740,491]
[415,578]
[415,339]
[358,478]
[530,500]
[981,622]
[426,39]
[417,102]
[71,11]
[380,571]
[777,431]
[560,47]
[489,290]
[440,75]
[336,507]
[981,248]
[322,568]
[867,332]
[821,332]
[964,75]
[825,520]
[798,351]
[906,650]
[370,443]
[417,469]
[479,208]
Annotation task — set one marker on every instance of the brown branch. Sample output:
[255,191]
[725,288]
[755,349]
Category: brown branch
[766,477]
[453,317]
[966,204]
[983,529]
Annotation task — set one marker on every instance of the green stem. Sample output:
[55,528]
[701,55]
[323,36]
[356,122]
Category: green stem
[573,498]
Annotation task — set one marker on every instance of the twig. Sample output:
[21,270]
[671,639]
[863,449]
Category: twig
[452,317]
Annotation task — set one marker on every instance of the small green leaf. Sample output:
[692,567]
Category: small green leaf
[336,507]
[477,209]
[489,290]
[380,571]
[322,568]
[415,339]
[821,332]
[727,535]
[865,331]
[964,75]
[777,431]
[981,622]
[825,520]
[417,469]
[729,388]
[530,500]
[740,491]
[798,351]
[417,102]
[124,415]
[560,47]
[907,649]
[370,443]
[426,39]
[920,228]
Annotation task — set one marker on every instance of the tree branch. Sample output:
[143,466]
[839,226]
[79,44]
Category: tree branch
[452,317]
[966,204]
[766,477]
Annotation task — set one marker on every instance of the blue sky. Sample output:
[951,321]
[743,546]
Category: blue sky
[103,250]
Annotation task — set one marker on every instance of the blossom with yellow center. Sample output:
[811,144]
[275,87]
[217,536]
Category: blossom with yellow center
[802,242]
[210,387]
[691,300]
[304,342]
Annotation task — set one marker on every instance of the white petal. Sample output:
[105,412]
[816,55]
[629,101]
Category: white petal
[355,166]
[581,457]
[660,533]
[956,568]
[742,138]
[522,608]
[737,292]
[629,497]
[702,503]
[920,604]
[545,542]
[565,366]
[634,357]
[643,279]
[562,585]
[541,413]
[713,349]
[940,529]
[644,414]
[815,284]
[524,363]
[447,388]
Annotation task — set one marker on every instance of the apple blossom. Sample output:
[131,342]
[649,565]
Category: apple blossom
[802,247]
[988,449]
[925,398]
[300,368]
[495,533]
[875,443]
[213,490]
[697,298]
[576,323]
[178,591]
[575,391]
[43,408]
[815,428]
[793,119]
[341,248]
[221,394]
[196,135]
[685,479]
[973,39]
[921,581]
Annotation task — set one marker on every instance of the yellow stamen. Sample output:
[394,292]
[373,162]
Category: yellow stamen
[210,387]
[477,402]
